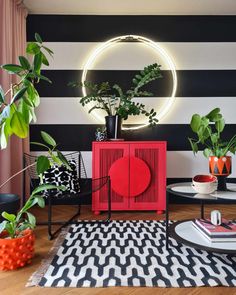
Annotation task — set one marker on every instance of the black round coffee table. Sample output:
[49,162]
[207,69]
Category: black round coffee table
[184,232]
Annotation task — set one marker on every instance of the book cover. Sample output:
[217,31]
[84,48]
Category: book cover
[216,230]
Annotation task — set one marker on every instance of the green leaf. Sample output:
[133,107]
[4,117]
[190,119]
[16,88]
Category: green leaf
[19,126]
[195,122]
[39,144]
[194,146]
[207,152]
[44,78]
[213,113]
[3,226]
[32,219]
[42,164]
[205,121]
[23,108]
[33,48]
[48,50]
[19,94]
[214,138]
[63,159]
[48,139]
[33,95]
[2,96]
[38,38]
[41,201]
[9,217]
[12,68]
[37,62]
[24,63]
[24,226]
[220,125]
[44,59]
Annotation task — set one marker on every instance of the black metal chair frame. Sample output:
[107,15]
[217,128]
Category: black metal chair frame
[71,199]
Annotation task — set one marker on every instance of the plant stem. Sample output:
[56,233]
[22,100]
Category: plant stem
[17,173]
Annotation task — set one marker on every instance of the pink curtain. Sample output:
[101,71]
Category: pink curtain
[12,44]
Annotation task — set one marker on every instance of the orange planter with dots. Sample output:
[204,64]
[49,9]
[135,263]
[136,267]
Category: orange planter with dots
[18,252]
[220,166]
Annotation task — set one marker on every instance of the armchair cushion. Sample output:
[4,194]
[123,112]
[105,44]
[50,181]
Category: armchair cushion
[61,175]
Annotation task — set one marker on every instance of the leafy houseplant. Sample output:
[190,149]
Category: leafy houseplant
[18,103]
[16,235]
[117,102]
[209,130]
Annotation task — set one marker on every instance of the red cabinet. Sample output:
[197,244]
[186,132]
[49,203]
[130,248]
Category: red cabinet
[138,175]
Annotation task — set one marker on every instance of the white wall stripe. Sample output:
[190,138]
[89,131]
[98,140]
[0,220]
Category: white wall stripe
[134,56]
[180,164]
[68,110]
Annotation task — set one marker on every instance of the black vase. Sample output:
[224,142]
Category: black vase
[9,203]
[113,126]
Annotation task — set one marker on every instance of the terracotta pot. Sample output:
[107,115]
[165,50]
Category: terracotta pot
[15,253]
[220,166]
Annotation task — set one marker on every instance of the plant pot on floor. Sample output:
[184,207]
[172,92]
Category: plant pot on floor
[17,252]
[221,168]
[113,127]
[9,203]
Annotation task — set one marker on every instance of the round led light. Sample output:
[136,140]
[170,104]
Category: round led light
[100,49]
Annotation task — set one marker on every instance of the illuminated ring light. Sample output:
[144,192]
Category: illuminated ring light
[100,49]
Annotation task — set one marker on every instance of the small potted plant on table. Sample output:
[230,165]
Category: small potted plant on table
[209,130]
[119,104]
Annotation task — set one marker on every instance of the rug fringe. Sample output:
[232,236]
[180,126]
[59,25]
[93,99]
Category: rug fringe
[39,273]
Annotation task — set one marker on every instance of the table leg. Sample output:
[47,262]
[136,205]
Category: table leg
[167,221]
[202,209]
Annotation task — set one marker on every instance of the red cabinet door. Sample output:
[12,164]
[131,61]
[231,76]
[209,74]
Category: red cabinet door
[154,156]
[104,156]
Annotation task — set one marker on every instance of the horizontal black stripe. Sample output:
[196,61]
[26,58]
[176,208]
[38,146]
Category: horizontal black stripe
[80,137]
[191,83]
[91,28]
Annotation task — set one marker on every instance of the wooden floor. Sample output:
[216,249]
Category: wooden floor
[13,282]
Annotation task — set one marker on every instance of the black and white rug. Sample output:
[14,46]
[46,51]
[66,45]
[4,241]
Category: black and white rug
[130,253]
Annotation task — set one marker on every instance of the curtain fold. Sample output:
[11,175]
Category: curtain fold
[12,44]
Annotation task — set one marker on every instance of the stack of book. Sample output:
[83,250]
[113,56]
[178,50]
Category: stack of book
[226,232]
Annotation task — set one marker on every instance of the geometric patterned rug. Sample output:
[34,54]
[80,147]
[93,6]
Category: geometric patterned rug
[130,253]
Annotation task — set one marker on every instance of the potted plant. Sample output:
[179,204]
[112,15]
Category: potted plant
[16,230]
[18,103]
[209,130]
[119,104]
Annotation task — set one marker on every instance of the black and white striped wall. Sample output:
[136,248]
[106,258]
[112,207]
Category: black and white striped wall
[202,47]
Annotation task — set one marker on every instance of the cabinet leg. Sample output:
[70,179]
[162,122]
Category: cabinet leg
[97,212]
[160,212]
